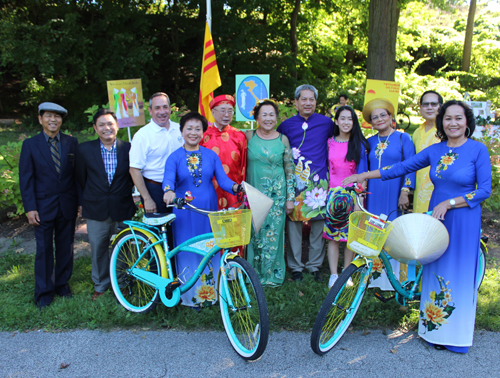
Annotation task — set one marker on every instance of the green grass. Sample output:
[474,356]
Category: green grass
[293,306]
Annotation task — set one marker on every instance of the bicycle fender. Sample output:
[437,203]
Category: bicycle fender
[358,262]
[153,239]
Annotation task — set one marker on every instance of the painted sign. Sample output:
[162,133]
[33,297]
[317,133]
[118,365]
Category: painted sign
[249,90]
[125,99]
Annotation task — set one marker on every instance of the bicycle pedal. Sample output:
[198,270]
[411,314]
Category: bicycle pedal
[172,286]
[382,298]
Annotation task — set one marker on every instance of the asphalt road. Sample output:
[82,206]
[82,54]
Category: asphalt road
[170,353]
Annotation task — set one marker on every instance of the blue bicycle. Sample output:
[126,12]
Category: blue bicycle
[142,275]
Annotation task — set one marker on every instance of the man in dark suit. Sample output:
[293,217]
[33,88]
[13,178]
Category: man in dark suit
[103,174]
[48,188]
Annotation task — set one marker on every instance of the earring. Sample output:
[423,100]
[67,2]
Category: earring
[467,132]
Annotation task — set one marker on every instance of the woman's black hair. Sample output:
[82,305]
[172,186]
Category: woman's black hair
[194,115]
[469,116]
[256,108]
[356,139]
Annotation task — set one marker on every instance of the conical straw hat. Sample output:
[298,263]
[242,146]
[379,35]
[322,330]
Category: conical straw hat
[417,237]
[259,203]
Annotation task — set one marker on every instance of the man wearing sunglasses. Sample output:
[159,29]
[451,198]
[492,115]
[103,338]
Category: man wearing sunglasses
[423,137]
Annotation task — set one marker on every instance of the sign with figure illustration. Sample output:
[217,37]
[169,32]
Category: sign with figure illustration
[388,90]
[125,99]
[249,90]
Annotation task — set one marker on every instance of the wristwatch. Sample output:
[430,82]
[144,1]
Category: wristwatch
[452,203]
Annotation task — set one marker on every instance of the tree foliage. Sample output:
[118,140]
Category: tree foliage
[65,51]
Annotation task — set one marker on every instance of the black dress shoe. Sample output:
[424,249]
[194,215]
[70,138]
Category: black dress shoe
[439,347]
[318,277]
[297,276]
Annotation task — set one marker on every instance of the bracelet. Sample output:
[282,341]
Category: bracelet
[407,190]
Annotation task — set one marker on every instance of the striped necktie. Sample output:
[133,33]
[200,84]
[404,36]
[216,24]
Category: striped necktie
[55,154]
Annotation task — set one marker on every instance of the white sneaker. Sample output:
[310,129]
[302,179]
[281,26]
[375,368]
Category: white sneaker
[332,280]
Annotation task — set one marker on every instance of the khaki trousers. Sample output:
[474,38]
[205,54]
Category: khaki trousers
[316,246]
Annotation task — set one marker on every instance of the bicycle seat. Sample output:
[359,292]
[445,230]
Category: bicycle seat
[157,219]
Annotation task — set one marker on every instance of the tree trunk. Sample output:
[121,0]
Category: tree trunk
[382,33]
[468,37]
[293,36]
[349,56]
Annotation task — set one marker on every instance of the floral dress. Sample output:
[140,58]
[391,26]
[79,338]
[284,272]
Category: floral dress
[183,170]
[449,292]
[384,195]
[339,206]
[270,170]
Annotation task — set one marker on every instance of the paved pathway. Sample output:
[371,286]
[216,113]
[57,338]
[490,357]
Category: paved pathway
[208,354]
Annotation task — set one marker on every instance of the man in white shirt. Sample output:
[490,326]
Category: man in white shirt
[151,146]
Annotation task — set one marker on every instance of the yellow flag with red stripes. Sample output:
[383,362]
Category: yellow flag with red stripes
[210,78]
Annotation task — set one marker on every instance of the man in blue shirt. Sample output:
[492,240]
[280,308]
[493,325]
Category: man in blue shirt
[103,174]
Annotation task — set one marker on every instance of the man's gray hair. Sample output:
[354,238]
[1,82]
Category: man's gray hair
[158,94]
[305,87]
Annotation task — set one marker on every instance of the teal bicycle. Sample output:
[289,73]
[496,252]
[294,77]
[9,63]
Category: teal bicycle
[344,298]
[142,275]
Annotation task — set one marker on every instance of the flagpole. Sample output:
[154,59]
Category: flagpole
[209,15]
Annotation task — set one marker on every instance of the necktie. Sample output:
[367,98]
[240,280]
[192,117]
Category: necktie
[55,154]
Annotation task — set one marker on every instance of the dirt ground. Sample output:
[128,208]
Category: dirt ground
[17,235]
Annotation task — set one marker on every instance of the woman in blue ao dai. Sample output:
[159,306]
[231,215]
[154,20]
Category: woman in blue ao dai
[386,147]
[191,168]
[461,174]
[346,156]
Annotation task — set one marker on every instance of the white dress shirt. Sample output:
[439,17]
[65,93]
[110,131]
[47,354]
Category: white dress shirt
[151,147]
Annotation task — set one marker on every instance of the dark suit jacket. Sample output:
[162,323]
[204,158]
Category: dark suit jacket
[100,199]
[42,188]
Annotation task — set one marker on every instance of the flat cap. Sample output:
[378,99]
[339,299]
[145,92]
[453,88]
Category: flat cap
[222,99]
[378,103]
[51,107]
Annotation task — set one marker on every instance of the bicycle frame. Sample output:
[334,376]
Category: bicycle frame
[160,283]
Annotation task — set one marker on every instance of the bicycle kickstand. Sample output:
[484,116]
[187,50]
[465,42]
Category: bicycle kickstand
[382,298]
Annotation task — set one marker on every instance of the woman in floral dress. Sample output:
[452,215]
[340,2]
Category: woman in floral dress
[346,156]
[461,174]
[270,169]
[387,147]
[191,168]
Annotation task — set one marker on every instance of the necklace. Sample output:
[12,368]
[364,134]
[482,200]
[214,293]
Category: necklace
[381,146]
[193,163]
[340,141]
[452,149]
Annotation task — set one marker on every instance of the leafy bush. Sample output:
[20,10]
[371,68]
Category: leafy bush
[10,193]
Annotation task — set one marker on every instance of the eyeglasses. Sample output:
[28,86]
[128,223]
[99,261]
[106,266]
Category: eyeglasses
[225,111]
[427,104]
[381,116]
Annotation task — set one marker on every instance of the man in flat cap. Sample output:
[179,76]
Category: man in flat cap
[227,142]
[48,188]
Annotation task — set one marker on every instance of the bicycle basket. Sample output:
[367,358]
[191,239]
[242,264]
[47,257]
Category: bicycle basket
[365,237]
[231,228]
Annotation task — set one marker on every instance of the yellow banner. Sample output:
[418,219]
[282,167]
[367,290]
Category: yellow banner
[210,78]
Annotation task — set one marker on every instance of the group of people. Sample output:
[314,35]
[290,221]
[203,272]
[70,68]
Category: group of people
[303,166]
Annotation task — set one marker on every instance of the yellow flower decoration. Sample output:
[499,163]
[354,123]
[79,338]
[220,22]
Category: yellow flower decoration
[435,314]
[205,293]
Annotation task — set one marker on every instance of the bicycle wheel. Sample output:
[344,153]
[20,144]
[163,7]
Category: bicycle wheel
[339,308]
[134,295]
[243,309]
[481,265]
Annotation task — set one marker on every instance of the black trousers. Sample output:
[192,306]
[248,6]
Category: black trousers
[52,278]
